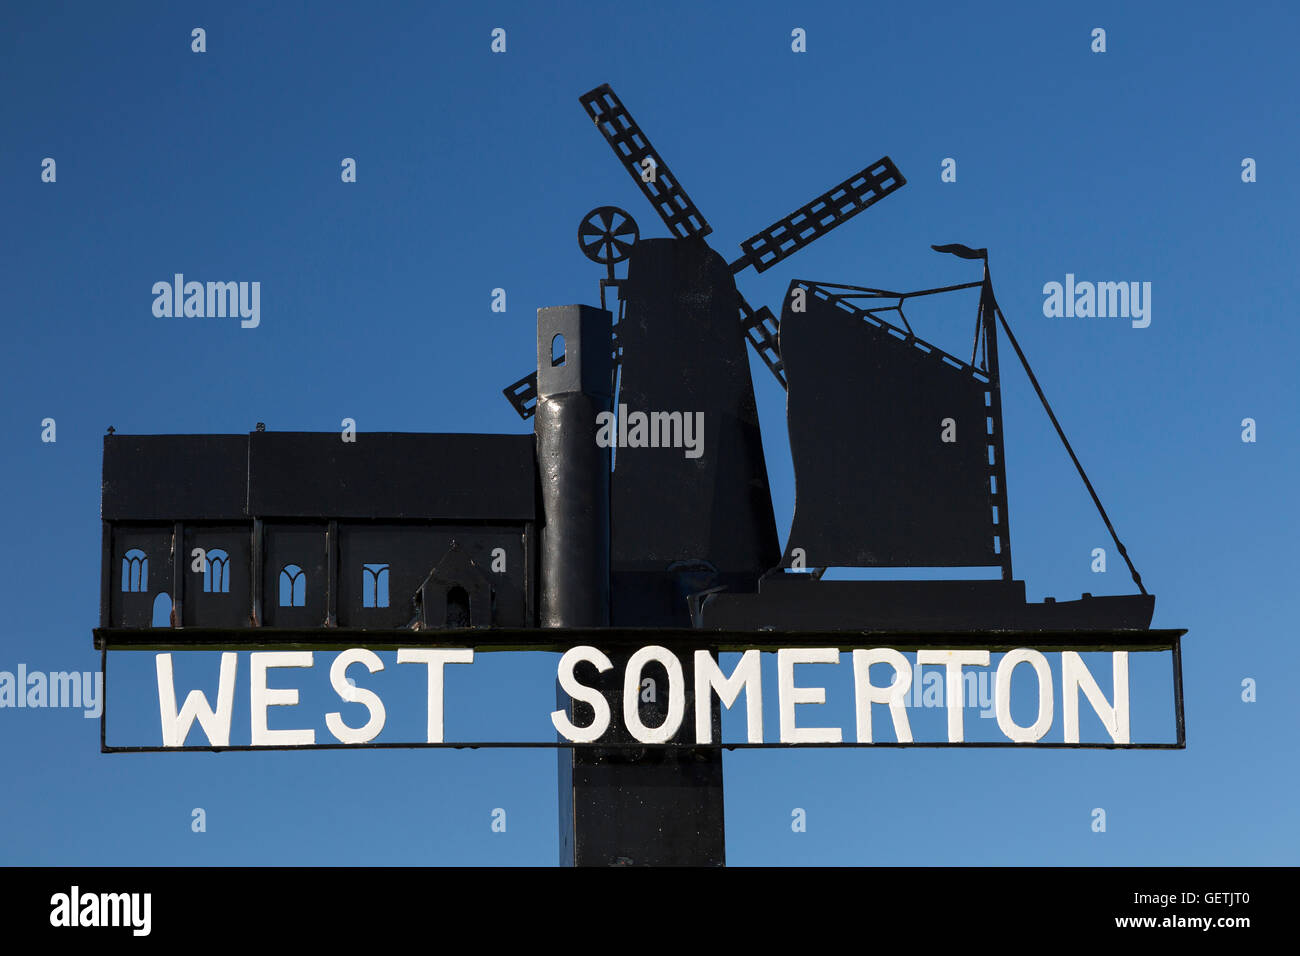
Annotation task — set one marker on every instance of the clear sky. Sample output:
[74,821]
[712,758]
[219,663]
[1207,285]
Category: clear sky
[473,170]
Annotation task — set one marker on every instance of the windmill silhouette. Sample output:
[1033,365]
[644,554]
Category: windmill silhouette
[680,526]
[605,231]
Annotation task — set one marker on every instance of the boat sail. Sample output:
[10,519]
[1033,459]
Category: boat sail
[908,473]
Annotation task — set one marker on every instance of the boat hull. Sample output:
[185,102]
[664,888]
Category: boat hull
[800,602]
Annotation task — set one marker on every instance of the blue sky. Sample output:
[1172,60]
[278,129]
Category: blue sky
[473,171]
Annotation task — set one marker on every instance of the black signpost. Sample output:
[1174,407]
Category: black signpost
[636,515]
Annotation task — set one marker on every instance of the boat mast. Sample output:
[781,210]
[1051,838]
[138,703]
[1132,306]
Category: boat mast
[993,401]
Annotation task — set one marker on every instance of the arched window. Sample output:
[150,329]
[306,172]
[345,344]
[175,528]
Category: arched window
[457,607]
[162,610]
[374,585]
[135,571]
[293,586]
[216,576]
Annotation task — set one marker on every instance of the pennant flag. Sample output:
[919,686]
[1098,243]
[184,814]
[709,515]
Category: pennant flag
[966,252]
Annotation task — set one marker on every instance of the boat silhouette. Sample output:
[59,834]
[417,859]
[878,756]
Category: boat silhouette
[899,462]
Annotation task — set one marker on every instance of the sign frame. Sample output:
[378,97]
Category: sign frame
[677,640]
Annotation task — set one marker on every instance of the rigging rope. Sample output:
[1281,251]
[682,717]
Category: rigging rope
[1137,578]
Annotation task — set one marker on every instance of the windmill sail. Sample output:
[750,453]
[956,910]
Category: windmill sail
[896,457]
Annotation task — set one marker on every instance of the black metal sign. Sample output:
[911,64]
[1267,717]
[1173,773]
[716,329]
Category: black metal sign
[635,526]
[602,705]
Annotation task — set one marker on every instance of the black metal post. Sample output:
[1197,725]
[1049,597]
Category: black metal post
[573,387]
[574,378]
[988,311]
